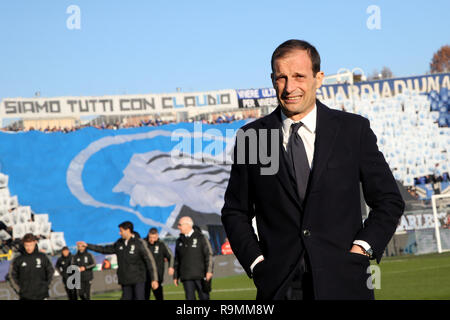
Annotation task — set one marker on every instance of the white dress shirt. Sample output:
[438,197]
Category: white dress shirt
[190,233]
[307,133]
[126,241]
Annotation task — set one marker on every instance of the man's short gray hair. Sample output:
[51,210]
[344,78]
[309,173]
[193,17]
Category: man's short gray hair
[188,220]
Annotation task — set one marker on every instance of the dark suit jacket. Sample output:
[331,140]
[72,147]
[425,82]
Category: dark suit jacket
[327,222]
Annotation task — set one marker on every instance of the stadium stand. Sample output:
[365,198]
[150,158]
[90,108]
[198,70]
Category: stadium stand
[413,136]
[412,127]
[17,220]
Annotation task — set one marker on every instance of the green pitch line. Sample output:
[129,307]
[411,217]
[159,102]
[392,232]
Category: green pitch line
[402,278]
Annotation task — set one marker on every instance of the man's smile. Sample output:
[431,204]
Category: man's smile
[293,99]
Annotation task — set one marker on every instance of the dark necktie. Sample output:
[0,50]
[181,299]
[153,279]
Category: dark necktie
[297,155]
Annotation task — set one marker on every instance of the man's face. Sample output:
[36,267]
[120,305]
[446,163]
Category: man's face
[152,238]
[30,246]
[65,253]
[184,226]
[295,83]
[81,247]
[125,233]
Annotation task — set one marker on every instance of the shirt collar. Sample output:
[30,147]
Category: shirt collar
[309,121]
[126,241]
[190,233]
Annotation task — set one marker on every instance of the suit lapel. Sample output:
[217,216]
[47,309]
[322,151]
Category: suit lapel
[327,128]
[284,174]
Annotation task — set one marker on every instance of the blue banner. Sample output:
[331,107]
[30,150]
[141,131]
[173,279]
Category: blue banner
[386,88]
[251,98]
[436,86]
[379,88]
[91,180]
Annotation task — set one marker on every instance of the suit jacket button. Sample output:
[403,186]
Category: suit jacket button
[306,233]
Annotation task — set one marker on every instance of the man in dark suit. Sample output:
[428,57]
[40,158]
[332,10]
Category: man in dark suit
[311,242]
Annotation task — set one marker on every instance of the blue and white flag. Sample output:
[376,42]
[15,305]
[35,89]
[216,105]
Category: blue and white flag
[91,180]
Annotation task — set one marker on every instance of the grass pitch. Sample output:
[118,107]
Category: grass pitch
[424,277]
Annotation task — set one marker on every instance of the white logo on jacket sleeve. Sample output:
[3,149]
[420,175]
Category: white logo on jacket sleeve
[194,243]
[24,264]
[38,262]
[156,250]
[132,249]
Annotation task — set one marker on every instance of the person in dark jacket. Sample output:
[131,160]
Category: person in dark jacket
[193,260]
[85,262]
[134,261]
[294,222]
[31,273]
[62,264]
[161,252]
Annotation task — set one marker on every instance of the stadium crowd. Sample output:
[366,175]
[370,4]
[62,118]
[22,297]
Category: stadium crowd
[433,180]
[12,243]
[224,118]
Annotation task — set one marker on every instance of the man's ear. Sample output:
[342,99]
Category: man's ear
[273,80]
[319,79]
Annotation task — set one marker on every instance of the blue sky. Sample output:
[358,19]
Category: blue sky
[147,46]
